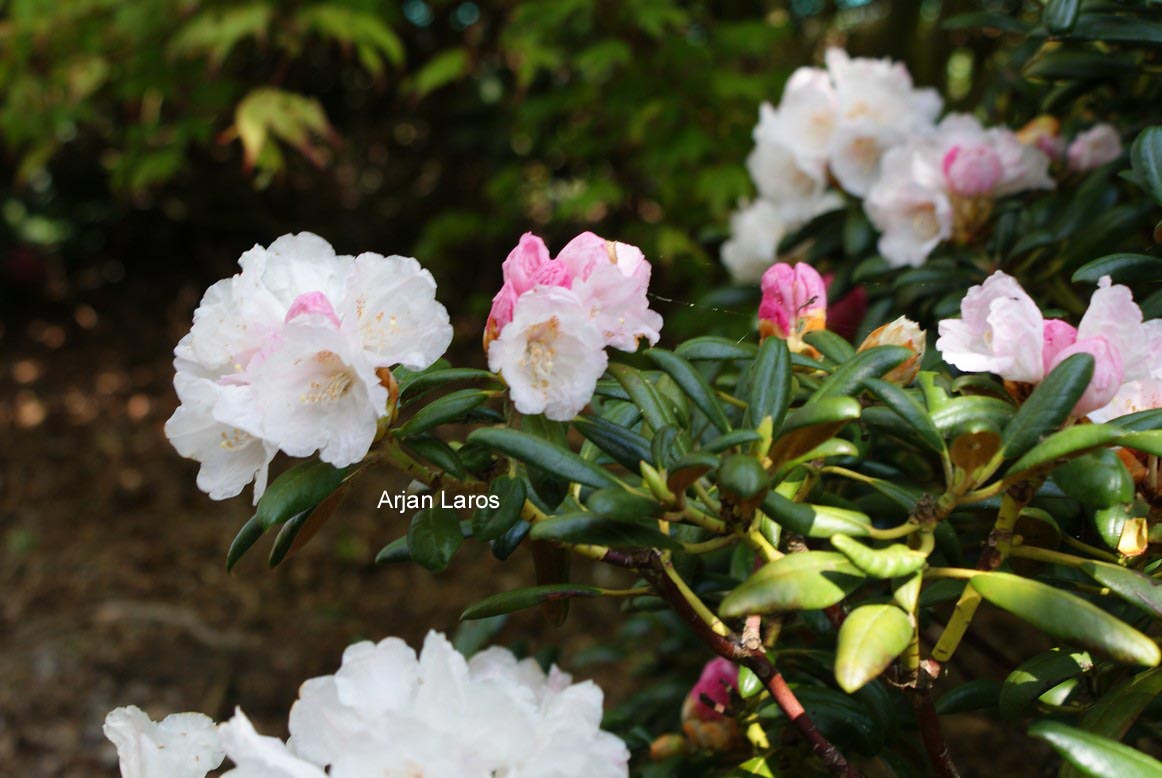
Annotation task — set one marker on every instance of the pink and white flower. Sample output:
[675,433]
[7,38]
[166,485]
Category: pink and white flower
[794,303]
[1093,148]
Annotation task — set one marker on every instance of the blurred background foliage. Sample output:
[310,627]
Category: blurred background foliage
[172,134]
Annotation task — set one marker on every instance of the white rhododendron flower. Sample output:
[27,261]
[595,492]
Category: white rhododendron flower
[795,185]
[1002,331]
[755,233]
[1095,147]
[284,355]
[553,318]
[808,115]
[182,745]
[940,184]
[551,353]
[387,712]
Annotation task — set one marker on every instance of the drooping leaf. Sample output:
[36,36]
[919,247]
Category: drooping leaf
[1121,268]
[433,537]
[869,639]
[247,536]
[624,446]
[815,521]
[1059,445]
[529,597]
[542,454]
[586,528]
[1048,406]
[492,523]
[1114,714]
[804,581]
[1094,755]
[1037,675]
[443,410]
[297,490]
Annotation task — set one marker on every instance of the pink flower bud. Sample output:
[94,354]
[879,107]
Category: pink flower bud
[1108,372]
[719,677]
[1094,147]
[794,303]
[1058,336]
[523,262]
[312,304]
[972,171]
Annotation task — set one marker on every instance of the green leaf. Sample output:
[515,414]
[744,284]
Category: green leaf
[749,684]
[442,69]
[266,115]
[848,378]
[1146,157]
[394,552]
[908,409]
[1121,268]
[1068,64]
[693,383]
[963,415]
[1067,617]
[831,345]
[807,427]
[870,638]
[493,523]
[979,20]
[438,453]
[1098,479]
[1094,755]
[297,490]
[507,543]
[981,694]
[426,380]
[1059,16]
[443,410]
[805,581]
[1059,445]
[713,348]
[1130,585]
[1116,28]
[1149,442]
[215,32]
[770,384]
[529,597]
[742,476]
[1048,406]
[732,439]
[247,536]
[844,720]
[365,31]
[891,562]
[1037,675]
[1115,712]
[644,395]
[618,504]
[689,468]
[285,537]
[585,528]
[540,453]
[623,445]
[433,537]
[815,521]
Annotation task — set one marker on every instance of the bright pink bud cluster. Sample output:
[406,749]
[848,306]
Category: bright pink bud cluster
[794,303]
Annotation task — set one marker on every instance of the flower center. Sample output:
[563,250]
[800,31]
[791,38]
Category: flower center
[540,352]
[234,439]
[332,384]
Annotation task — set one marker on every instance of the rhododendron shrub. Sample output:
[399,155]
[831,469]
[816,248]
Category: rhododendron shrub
[948,400]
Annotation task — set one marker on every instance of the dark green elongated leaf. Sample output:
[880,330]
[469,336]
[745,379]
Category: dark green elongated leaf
[1048,406]
[711,347]
[404,376]
[732,439]
[493,523]
[742,476]
[770,384]
[807,427]
[847,379]
[908,409]
[814,521]
[433,379]
[503,546]
[519,599]
[1094,755]
[644,395]
[1121,268]
[831,345]
[618,504]
[981,694]
[870,638]
[1146,157]
[624,446]
[891,562]
[297,532]
[438,453]
[693,383]
[1066,442]
[807,581]
[1059,16]
[1114,714]
[471,636]
[1100,230]
[540,453]
[247,536]
[984,20]
[971,414]
[1037,675]
[836,447]
[394,552]
[668,444]
[1068,64]
[1098,479]
[1116,28]
[433,537]
[587,528]
[443,410]
[1142,421]
[285,537]
[1132,586]
[1067,617]
[299,489]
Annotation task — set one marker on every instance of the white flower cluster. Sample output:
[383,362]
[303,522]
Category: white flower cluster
[285,354]
[389,713]
[860,124]
[834,123]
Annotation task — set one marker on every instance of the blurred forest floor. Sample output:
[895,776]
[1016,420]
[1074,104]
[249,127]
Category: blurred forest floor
[112,562]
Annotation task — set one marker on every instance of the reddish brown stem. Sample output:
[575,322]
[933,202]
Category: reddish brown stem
[931,733]
[731,647]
